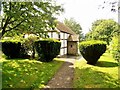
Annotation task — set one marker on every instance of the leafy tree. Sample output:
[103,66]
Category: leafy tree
[28,17]
[114,47]
[74,26]
[88,36]
[103,30]
[114,44]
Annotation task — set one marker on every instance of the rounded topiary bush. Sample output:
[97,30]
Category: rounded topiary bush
[13,49]
[47,49]
[92,50]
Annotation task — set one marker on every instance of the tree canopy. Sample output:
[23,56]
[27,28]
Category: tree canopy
[103,30]
[74,26]
[29,17]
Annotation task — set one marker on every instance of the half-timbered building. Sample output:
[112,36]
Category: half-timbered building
[69,40]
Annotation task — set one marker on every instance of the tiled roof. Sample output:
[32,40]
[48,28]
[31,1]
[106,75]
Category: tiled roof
[73,38]
[63,28]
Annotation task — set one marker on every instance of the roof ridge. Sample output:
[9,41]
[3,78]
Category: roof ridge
[63,28]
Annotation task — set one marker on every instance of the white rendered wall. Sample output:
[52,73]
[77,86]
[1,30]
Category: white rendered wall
[63,39]
[54,35]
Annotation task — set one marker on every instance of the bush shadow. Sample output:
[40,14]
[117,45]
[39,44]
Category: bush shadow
[106,64]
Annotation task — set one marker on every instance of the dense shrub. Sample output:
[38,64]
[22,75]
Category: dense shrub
[92,50]
[47,49]
[114,47]
[13,49]
[28,44]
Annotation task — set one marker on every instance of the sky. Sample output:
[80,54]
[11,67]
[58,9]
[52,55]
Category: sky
[85,12]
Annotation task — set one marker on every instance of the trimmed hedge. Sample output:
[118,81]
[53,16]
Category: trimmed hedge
[47,49]
[13,49]
[92,50]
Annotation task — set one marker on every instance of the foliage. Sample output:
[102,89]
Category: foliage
[74,26]
[13,49]
[47,49]
[23,17]
[28,44]
[115,48]
[88,36]
[28,74]
[103,75]
[103,30]
[92,50]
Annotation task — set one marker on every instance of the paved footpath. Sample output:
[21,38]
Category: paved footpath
[64,77]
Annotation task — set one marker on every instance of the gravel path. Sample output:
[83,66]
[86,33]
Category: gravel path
[64,77]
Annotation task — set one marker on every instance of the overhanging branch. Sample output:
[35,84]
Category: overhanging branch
[15,26]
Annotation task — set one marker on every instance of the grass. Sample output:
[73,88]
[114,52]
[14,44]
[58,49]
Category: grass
[103,75]
[24,73]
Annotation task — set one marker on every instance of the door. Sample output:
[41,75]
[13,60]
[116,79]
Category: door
[72,48]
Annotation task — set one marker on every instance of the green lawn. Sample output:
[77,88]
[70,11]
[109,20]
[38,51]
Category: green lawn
[24,73]
[103,75]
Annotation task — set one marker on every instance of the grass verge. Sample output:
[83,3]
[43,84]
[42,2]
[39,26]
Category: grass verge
[103,75]
[24,73]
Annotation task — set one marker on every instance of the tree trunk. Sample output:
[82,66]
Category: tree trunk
[2,33]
